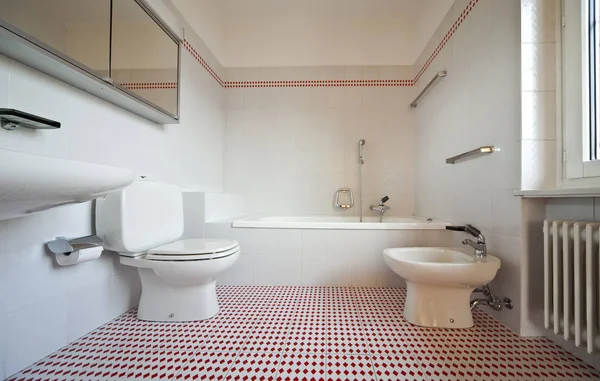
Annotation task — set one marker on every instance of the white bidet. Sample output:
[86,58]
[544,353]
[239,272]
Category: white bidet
[439,283]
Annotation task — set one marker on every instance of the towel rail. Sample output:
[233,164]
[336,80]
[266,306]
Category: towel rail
[439,75]
[476,152]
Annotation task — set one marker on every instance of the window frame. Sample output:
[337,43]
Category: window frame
[573,119]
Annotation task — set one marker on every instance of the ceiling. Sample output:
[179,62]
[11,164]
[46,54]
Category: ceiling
[251,33]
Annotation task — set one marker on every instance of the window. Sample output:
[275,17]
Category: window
[592,67]
[581,92]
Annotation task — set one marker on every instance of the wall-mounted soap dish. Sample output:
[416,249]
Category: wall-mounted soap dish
[11,119]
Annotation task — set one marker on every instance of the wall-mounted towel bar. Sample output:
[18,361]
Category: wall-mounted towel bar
[476,152]
[439,75]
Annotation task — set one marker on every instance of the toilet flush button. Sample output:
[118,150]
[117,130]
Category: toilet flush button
[172,315]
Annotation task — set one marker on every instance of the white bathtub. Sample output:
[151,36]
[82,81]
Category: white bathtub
[322,250]
[340,223]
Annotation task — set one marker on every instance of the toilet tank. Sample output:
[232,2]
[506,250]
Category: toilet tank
[144,215]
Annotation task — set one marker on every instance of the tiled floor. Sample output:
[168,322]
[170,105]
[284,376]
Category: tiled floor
[306,333]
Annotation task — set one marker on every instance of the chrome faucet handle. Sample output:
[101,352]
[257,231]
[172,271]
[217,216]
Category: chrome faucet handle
[479,246]
[384,200]
[473,230]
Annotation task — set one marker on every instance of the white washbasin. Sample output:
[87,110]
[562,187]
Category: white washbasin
[31,183]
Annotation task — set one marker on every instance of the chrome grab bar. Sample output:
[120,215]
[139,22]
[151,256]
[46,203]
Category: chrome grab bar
[348,198]
[439,75]
[483,150]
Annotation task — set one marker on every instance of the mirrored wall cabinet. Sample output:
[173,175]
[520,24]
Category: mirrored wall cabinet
[118,50]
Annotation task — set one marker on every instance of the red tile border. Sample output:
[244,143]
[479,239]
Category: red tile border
[324,83]
[202,62]
[335,83]
[446,38]
[148,85]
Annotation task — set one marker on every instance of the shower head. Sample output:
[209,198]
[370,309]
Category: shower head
[361,142]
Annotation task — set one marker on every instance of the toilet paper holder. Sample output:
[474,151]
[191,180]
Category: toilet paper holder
[64,246]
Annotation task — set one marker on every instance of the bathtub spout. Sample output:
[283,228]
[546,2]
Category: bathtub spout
[381,208]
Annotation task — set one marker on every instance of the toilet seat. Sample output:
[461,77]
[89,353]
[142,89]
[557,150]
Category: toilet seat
[193,250]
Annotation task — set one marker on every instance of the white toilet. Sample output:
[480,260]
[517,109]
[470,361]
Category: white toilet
[142,223]
[439,283]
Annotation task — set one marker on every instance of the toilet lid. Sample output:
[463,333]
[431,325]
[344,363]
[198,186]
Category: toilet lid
[193,250]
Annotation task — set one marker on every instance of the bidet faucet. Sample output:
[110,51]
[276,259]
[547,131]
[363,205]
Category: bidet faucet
[381,208]
[479,246]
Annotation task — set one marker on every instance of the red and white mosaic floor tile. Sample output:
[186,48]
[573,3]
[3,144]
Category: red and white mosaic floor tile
[306,334]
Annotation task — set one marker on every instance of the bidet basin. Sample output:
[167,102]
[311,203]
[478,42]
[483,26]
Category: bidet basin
[439,283]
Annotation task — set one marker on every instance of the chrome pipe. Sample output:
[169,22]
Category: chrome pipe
[361,161]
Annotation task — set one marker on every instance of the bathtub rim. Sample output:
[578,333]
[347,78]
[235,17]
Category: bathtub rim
[257,222]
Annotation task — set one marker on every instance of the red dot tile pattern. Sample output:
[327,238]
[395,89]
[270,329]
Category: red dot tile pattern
[446,38]
[148,85]
[306,333]
[337,83]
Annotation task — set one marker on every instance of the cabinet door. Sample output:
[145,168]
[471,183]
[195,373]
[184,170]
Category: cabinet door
[144,57]
[78,30]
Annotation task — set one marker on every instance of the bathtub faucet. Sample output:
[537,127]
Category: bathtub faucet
[381,208]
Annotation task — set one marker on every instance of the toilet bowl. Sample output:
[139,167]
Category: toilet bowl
[439,283]
[143,224]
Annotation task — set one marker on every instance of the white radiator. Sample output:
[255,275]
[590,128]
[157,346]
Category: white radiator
[571,281]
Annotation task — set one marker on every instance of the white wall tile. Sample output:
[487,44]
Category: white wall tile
[538,20]
[87,308]
[21,97]
[125,290]
[315,270]
[3,348]
[245,238]
[508,279]
[193,215]
[265,270]
[538,164]
[35,331]
[574,209]
[505,206]
[43,303]
[438,238]
[24,253]
[339,271]
[339,243]
[539,115]
[308,137]
[538,65]
[4,81]
[289,270]
[363,242]
[218,230]
[289,242]
[241,273]
[314,243]
[469,109]
[365,271]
